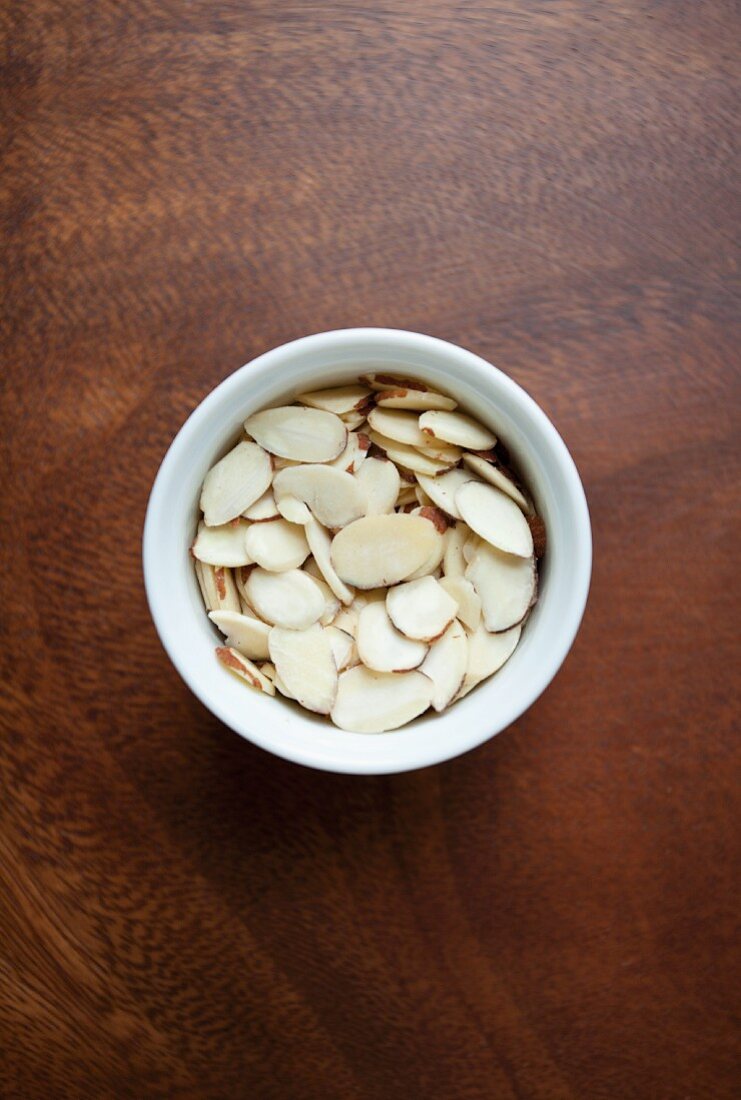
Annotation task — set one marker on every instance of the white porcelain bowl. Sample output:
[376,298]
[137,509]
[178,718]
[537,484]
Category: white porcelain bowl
[325,360]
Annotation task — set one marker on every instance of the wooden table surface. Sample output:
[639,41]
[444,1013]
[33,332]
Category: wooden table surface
[552,185]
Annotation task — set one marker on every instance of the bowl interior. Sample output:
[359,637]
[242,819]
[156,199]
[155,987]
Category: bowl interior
[277,377]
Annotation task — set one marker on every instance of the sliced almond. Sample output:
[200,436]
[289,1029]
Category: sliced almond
[506,585]
[268,669]
[332,496]
[354,420]
[293,509]
[381,381]
[538,531]
[234,483]
[496,477]
[380,482]
[495,517]
[283,463]
[407,496]
[442,452]
[221,591]
[397,424]
[467,598]
[346,619]
[331,603]
[278,545]
[338,399]
[486,655]
[321,545]
[421,609]
[470,546]
[202,585]
[381,646]
[446,665]
[224,545]
[409,457]
[281,687]
[457,428]
[305,663]
[304,435]
[354,454]
[344,650]
[442,489]
[382,550]
[439,522]
[401,397]
[454,563]
[247,635]
[263,509]
[292,599]
[374,702]
[240,580]
[245,669]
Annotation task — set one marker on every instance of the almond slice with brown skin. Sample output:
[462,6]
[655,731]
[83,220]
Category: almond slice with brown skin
[442,489]
[303,435]
[486,655]
[409,457]
[396,424]
[332,496]
[458,429]
[354,454]
[343,647]
[234,483]
[382,381]
[421,609]
[467,598]
[247,635]
[495,517]
[337,399]
[320,544]
[380,550]
[220,589]
[292,599]
[496,477]
[446,665]
[506,585]
[244,668]
[407,498]
[278,545]
[223,545]
[380,482]
[305,663]
[538,531]
[440,523]
[375,702]
[401,397]
[381,646]
[354,420]
[441,452]
[263,509]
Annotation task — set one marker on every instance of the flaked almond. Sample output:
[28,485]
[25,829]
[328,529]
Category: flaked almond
[486,655]
[470,546]
[454,563]
[396,424]
[346,619]
[407,499]
[292,599]
[421,609]
[442,489]
[263,509]
[375,702]
[408,457]
[354,454]
[506,585]
[344,650]
[537,530]
[338,399]
[441,452]
[244,668]
[305,663]
[247,635]
[380,482]
[458,429]
[495,517]
[446,665]
[234,483]
[382,550]
[224,545]
[202,585]
[293,509]
[218,584]
[331,604]
[381,646]
[354,420]
[240,580]
[332,496]
[320,544]
[467,598]
[304,435]
[403,397]
[497,478]
[278,545]
[391,381]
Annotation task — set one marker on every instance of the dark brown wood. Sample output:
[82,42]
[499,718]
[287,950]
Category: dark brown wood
[552,185]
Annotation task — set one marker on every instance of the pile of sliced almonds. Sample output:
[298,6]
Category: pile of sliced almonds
[367,552]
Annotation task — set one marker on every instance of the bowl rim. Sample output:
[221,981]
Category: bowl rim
[384,761]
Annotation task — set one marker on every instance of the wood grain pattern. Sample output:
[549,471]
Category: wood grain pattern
[552,185]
